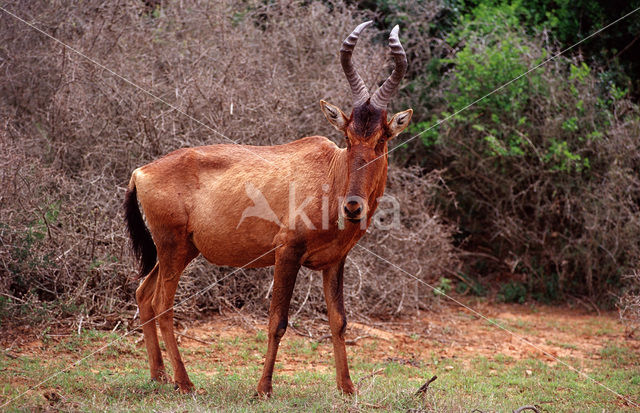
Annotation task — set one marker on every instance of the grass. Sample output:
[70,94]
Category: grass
[518,326]
[567,346]
[226,372]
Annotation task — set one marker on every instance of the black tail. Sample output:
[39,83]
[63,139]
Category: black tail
[141,241]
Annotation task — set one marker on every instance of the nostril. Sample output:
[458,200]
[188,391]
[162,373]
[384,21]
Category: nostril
[352,208]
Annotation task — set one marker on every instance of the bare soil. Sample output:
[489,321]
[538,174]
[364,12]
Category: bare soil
[449,333]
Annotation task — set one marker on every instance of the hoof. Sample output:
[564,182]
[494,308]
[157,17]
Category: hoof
[347,388]
[261,396]
[161,377]
[185,387]
[264,389]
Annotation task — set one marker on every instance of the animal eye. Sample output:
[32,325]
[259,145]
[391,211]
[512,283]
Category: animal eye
[380,141]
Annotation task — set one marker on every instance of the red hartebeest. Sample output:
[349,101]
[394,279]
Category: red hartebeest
[195,202]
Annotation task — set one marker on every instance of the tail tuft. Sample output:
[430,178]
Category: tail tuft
[141,241]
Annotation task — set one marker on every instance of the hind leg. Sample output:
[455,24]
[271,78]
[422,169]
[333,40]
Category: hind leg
[171,264]
[144,296]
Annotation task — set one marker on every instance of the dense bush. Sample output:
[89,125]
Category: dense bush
[571,21]
[72,133]
[545,170]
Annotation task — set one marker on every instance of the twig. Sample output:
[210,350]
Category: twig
[355,340]
[244,319]
[306,297]
[370,405]
[14,297]
[368,376]
[527,407]
[423,389]
[295,330]
[193,338]
[116,327]
[624,49]
[266,296]
[588,304]
[347,342]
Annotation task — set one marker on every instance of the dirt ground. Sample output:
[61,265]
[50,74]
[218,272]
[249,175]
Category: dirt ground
[451,332]
[426,343]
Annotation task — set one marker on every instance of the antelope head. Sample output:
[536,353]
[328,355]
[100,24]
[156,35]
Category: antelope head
[367,130]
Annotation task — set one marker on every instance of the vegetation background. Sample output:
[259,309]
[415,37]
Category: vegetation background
[532,193]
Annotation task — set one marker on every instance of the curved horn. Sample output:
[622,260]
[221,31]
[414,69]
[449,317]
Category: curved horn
[381,98]
[358,88]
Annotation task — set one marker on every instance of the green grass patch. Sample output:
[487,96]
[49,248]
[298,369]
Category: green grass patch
[117,379]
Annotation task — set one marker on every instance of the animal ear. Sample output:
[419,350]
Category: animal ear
[399,122]
[334,115]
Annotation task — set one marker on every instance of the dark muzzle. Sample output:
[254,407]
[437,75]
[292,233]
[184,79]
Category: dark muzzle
[354,208]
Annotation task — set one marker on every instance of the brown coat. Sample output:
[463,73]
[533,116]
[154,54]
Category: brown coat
[201,192]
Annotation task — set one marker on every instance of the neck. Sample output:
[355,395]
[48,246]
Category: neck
[379,187]
[338,179]
[339,171]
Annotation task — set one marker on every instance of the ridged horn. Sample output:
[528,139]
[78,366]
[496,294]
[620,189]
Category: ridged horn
[358,88]
[382,96]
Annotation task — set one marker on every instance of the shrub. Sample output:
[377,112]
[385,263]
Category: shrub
[513,292]
[572,21]
[629,304]
[545,169]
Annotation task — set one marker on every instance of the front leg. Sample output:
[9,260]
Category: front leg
[284,279]
[332,280]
